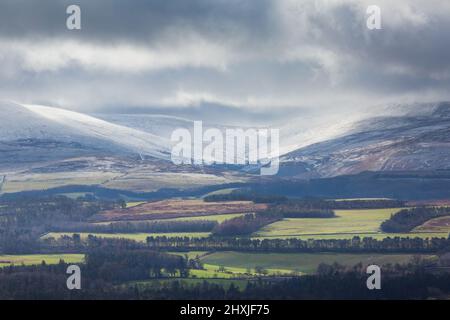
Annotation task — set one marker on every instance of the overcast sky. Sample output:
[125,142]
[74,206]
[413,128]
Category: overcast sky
[271,57]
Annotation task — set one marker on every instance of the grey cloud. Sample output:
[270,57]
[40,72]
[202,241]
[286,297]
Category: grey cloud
[139,20]
[245,56]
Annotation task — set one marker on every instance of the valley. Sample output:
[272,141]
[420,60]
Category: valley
[109,200]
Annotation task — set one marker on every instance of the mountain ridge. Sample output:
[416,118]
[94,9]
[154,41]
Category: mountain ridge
[387,143]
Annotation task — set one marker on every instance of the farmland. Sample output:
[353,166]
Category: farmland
[35,259]
[346,221]
[441,224]
[229,272]
[348,236]
[216,217]
[177,208]
[42,181]
[134,204]
[299,262]
[147,181]
[346,225]
[215,259]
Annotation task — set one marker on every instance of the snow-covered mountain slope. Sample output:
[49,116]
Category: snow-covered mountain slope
[159,125]
[31,122]
[415,141]
[412,137]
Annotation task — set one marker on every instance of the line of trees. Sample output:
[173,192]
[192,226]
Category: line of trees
[15,240]
[355,245]
[293,210]
[32,212]
[72,244]
[24,220]
[138,227]
[407,219]
[242,195]
[118,265]
[245,225]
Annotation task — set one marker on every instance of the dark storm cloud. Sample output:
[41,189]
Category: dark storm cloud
[237,54]
[416,41]
[138,20]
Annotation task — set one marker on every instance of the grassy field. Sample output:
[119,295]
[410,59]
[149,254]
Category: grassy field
[230,272]
[347,224]
[145,181]
[134,203]
[220,192]
[35,259]
[298,262]
[42,181]
[142,237]
[343,236]
[190,254]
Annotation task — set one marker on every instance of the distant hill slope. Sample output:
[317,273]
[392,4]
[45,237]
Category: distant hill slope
[30,133]
[414,138]
[390,143]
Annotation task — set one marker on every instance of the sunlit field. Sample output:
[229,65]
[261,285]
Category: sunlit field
[35,259]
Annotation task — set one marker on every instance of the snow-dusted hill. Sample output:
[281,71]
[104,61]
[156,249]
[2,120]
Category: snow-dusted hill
[159,125]
[40,123]
[411,137]
[418,139]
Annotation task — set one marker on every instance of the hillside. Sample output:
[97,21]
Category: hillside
[389,143]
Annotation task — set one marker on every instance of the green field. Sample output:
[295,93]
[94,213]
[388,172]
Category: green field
[42,181]
[190,254]
[231,272]
[134,203]
[148,181]
[35,259]
[298,262]
[343,236]
[142,237]
[347,224]
[220,192]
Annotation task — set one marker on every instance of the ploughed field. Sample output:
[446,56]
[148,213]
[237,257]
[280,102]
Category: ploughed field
[441,224]
[170,209]
[215,217]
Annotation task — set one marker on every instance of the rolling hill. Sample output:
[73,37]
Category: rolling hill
[412,142]
[33,134]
